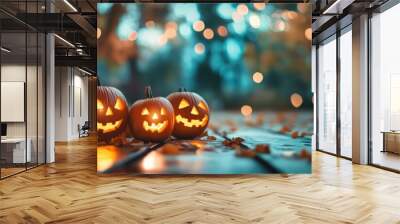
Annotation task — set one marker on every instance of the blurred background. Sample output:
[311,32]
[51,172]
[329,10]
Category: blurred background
[253,56]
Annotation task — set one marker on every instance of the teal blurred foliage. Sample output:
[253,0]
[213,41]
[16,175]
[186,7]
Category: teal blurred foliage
[164,50]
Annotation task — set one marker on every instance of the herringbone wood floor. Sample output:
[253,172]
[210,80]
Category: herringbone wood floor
[70,191]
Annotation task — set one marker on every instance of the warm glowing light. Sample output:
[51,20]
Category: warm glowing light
[109,112]
[100,105]
[155,116]
[242,9]
[290,14]
[199,26]
[191,123]
[259,6]
[107,156]
[119,105]
[145,111]
[258,77]
[132,36]
[155,127]
[280,26]
[302,7]
[194,111]
[202,106]
[208,34]
[98,33]
[183,104]
[255,21]
[236,16]
[222,31]
[308,33]
[170,30]
[171,25]
[149,23]
[199,48]
[154,161]
[108,127]
[170,33]
[163,40]
[246,110]
[296,100]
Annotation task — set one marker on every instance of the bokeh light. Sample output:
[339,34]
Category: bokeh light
[290,14]
[132,36]
[302,7]
[280,26]
[222,31]
[236,16]
[208,34]
[308,33]
[246,110]
[259,5]
[184,30]
[149,23]
[296,100]
[163,40]
[199,48]
[98,33]
[198,26]
[255,21]
[242,9]
[258,77]
[236,44]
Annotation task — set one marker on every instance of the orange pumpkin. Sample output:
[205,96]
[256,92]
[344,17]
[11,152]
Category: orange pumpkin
[151,119]
[191,113]
[112,112]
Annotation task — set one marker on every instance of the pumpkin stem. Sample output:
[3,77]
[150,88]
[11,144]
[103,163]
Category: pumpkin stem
[182,89]
[147,92]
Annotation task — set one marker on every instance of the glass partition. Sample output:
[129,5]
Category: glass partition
[22,77]
[385,89]
[327,96]
[14,155]
[346,93]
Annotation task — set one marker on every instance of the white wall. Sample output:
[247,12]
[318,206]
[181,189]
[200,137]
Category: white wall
[71,102]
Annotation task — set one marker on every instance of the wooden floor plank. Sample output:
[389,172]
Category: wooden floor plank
[70,191]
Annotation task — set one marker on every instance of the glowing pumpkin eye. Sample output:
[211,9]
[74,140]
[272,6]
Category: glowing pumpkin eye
[100,105]
[202,106]
[145,112]
[162,111]
[118,105]
[183,104]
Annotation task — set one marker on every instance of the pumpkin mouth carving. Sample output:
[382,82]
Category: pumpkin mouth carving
[155,127]
[109,126]
[193,122]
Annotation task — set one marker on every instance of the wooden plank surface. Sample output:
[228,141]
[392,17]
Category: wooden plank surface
[71,191]
[210,154]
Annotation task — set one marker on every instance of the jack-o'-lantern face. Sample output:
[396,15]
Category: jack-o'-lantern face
[151,119]
[191,114]
[155,121]
[112,112]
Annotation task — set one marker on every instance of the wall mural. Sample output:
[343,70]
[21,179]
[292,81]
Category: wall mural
[216,88]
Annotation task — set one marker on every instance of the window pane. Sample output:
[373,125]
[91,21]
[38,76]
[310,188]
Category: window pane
[385,84]
[346,94]
[327,96]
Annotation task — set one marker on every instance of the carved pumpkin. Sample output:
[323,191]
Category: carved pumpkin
[191,114]
[151,119]
[112,112]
